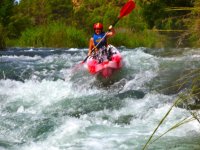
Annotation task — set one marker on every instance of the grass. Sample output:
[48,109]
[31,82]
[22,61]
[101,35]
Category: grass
[193,91]
[60,35]
[53,35]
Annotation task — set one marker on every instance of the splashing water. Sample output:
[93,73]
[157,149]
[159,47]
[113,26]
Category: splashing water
[46,105]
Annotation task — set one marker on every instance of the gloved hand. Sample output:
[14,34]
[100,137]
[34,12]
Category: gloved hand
[110,27]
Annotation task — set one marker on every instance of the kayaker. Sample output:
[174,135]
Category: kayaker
[99,35]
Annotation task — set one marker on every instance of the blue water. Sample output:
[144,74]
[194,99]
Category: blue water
[47,102]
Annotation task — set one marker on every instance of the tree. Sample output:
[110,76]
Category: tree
[60,10]
[194,24]
[32,13]
[2,37]
[161,13]
[6,11]
[44,11]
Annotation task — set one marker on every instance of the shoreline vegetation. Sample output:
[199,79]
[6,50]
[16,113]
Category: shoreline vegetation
[65,24]
[59,35]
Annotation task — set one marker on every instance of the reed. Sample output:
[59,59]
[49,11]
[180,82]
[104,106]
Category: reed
[191,94]
[182,122]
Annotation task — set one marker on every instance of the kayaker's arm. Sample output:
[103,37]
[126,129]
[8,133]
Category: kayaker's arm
[91,46]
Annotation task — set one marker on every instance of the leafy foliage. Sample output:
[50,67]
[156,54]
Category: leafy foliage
[44,11]
[28,15]
[6,11]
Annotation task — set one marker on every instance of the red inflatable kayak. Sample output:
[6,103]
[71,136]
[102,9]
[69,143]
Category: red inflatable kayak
[106,66]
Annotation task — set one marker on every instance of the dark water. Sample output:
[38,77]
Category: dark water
[47,102]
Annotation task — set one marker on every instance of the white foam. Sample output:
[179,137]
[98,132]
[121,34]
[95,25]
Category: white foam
[95,129]
[139,60]
[66,135]
[19,58]
[41,93]
[139,80]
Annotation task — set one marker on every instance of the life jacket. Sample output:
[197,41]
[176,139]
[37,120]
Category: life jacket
[97,38]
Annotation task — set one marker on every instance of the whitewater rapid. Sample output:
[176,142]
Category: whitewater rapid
[45,104]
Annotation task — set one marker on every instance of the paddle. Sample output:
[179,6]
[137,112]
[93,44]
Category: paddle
[125,10]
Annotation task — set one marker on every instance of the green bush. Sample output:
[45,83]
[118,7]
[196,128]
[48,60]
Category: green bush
[59,35]
[53,35]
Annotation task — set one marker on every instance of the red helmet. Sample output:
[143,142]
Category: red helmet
[98,26]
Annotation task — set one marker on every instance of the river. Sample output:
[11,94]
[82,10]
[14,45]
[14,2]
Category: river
[47,102]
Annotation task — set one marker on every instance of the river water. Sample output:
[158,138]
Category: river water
[47,101]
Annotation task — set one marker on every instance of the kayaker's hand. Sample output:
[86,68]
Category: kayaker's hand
[89,54]
[110,27]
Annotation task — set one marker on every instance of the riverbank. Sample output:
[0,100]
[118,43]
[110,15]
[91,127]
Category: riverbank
[40,24]
[58,35]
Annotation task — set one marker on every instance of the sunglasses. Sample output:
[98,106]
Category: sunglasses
[97,29]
